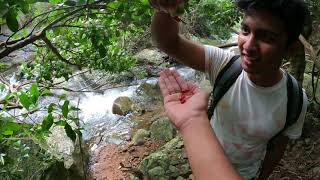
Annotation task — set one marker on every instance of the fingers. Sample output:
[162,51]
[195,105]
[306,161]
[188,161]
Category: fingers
[164,5]
[169,83]
[163,87]
[181,82]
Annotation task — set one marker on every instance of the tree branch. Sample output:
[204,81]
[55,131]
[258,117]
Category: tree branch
[55,50]
[21,44]
[309,48]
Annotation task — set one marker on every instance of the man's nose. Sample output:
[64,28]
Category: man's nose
[250,44]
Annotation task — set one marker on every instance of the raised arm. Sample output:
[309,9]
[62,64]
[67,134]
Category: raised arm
[165,35]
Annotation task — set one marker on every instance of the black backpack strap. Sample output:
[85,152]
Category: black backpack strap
[294,105]
[226,77]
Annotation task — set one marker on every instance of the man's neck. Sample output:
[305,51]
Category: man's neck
[266,80]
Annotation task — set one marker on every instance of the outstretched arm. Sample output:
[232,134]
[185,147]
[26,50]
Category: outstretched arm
[186,106]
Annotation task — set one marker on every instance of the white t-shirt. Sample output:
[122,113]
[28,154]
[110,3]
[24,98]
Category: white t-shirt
[247,116]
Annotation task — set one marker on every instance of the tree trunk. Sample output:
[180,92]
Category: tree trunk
[298,64]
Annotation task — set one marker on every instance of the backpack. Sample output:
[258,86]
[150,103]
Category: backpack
[229,74]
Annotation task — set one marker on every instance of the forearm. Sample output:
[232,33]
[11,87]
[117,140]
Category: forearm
[165,35]
[165,31]
[206,156]
[273,157]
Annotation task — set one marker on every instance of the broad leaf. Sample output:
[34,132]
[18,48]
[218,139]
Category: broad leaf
[24,100]
[34,90]
[11,19]
[47,122]
[65,108]
[70,133]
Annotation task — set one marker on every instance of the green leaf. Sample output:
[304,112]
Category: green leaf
[65,108]
[34,90]
[113,5]
[7,132]
[51,107]
[24,100]
[70,133]
[46,91]
[144,2]
[62,96]
[11,19]
[70,3]
[74,109]
[47,122]
[60,123]
[55,1]
[25,7]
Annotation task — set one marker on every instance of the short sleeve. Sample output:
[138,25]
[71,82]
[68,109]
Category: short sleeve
[295,130]
[215,59]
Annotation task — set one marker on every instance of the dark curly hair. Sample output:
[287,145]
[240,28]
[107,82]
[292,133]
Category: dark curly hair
[292,13]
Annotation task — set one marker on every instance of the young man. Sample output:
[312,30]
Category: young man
[254,109]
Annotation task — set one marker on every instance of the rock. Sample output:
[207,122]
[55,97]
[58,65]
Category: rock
[139,136]
[151,55]
[133,177]
[171,160]
[316,170]
[156,172]
[180,178]
[162,129]
[122,106]
[149,92]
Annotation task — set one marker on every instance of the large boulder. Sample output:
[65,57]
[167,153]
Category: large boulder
[162,129]
[122,106]
[152,56]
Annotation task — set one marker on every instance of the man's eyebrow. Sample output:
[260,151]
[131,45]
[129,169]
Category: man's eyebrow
[268,32]
[263,30]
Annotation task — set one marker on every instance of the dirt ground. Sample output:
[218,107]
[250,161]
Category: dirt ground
[119,162]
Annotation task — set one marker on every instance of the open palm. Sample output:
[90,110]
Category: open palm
[182,99]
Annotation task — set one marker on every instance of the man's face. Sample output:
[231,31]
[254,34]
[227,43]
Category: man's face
[262,43]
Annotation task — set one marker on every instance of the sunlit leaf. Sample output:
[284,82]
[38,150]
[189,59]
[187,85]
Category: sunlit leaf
[45,92]
[24,100]
[34,90]
[60,123]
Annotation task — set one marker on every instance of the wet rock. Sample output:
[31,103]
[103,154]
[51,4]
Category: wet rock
[162,129]
[122,106]
[139,136]
[149,92]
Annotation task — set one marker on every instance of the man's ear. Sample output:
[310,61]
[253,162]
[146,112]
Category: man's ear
[294,48]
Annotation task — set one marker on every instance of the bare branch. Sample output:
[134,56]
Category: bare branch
[55,50]
[308,47]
